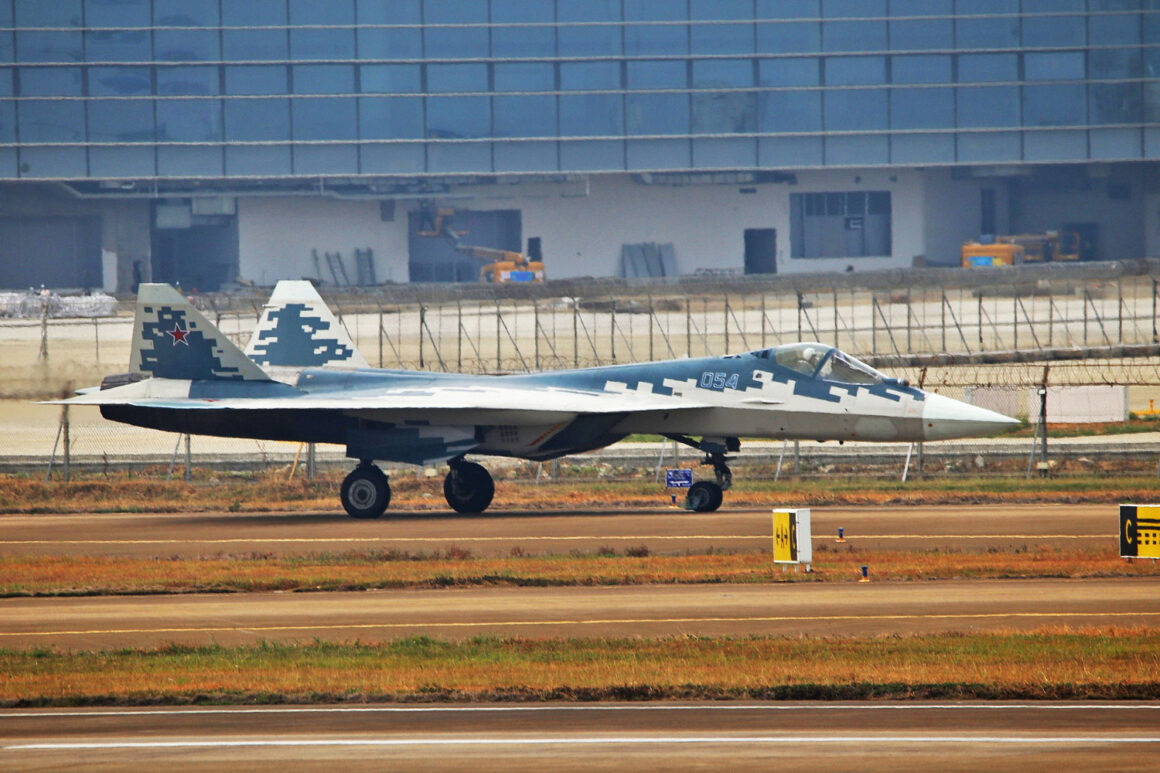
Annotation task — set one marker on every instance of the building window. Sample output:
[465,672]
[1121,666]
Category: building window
[854,224]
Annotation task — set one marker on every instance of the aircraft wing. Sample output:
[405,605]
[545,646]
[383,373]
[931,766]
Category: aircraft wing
[185,395]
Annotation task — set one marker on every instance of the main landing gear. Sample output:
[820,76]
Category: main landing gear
[705,496]
[468,487]
[365,493]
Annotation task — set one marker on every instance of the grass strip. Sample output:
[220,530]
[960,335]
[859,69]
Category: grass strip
[271,491]
[1050,663]
[110,575]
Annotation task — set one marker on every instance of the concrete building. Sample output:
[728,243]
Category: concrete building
[204,141]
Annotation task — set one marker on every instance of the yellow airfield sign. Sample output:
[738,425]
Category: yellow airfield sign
[792,542]
[1140,531]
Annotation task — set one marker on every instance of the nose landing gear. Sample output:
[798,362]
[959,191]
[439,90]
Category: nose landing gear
[706,496]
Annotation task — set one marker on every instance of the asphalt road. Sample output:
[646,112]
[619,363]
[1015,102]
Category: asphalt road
[663,530]
[781,609]
[638,737]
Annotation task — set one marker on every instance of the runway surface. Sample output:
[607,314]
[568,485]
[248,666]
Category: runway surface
[965,527]
[779,609]
[640,737]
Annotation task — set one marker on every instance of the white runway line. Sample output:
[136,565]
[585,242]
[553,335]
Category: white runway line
[1062,740]
[178,710]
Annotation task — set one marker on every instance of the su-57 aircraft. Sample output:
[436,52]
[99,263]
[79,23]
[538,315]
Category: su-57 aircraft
[304,381]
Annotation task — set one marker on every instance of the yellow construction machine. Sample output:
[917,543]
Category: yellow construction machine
[1022,248]
[499,266]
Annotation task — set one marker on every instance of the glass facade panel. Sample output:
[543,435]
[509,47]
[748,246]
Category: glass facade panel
[657,75]
[591,115]
[254,45]
[523,42]
[187,45]
[391,79]
[789,37]
[1115,103]
[855,70]
[525,76]
[123,162]
[186,13]
[257,120]
[1117,30]
[1063,66]
[322,44]
[922,108]
[525,116]
[324,118]
[184,81]
[656,113]
[256,79]
[38,13]
[601,36]
[119,81]
[188,120]
[854,36]
[323,78]
[453,78]
[455,42]
[1062,105]
[1045,31]
[1115,63]
[458,117]
[922,34]
[983,106]
[322,12]
[921,69]
[791,111]
[996,32]
[121,121]
[984,68]
[578,76]
[50,81]
[789,72]
[854,110]
[40,46]
[670,39]
[51,120]
[383,118]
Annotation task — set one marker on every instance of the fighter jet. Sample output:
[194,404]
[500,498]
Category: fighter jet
[305,382]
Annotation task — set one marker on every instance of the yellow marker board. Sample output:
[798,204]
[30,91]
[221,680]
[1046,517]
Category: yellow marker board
[1140,531]
[792,543]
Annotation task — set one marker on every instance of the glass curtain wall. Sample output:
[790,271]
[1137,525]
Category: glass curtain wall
[310,88]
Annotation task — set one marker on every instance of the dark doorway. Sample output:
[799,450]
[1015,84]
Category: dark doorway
[987,208]
[56,252]
[760,250]
[199,258]
[439,238]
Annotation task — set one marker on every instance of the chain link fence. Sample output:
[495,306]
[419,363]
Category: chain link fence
[1076,323]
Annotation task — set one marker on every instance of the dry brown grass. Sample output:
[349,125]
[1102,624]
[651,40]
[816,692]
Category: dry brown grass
[103,575]
[1049,663]
[271,491]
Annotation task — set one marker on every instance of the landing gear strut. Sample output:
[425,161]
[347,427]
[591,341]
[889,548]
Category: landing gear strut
[365,493]
[468,487]
[706,496]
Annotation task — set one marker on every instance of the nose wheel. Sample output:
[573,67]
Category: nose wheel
[365,493]
[706,496]
[468,487]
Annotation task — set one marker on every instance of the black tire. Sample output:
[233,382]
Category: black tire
[704,497]
[365,492]
[468,488]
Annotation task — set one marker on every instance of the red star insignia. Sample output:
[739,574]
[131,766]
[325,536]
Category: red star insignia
[178,334]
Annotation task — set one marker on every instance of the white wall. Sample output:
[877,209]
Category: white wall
[582,236]
[276,235]
[954,213]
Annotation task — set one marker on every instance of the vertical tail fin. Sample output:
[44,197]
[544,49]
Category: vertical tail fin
[171,339]
[298,330]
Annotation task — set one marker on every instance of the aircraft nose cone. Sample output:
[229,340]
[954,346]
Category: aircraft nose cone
[944,418]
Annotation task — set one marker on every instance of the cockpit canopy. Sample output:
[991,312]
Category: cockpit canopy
[821,361]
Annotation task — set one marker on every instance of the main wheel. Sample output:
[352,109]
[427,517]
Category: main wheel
[704,496]
[468,488]
[365,492]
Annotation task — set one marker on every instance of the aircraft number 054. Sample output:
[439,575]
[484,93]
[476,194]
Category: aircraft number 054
[719,381]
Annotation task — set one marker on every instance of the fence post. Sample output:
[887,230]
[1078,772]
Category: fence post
[67,444]
[310,469]
[458,335]
[612,330]
[188,460]
[380,336]
[575,333]
[97,339]
[422,323]
[725,320]
[498,339]
[536,333]
[43,354]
